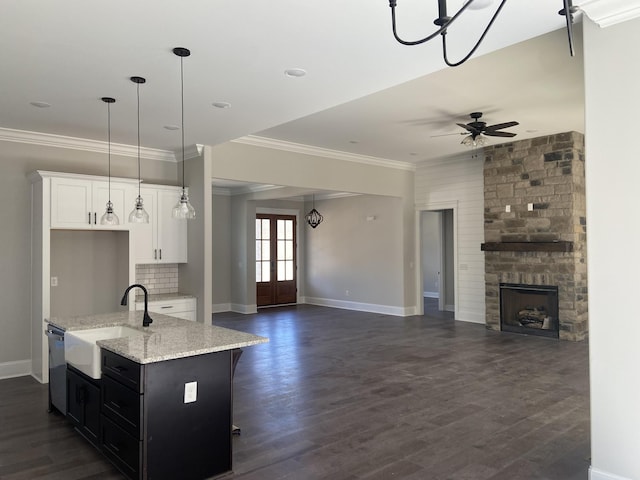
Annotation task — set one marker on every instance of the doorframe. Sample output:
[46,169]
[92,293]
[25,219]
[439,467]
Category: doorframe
[283,211]
[435,207]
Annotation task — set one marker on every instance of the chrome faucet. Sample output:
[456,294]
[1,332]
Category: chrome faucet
[146,319]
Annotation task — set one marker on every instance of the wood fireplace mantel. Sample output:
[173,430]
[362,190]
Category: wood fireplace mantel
[560,246]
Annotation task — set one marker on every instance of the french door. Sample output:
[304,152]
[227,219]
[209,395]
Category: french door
[275,259]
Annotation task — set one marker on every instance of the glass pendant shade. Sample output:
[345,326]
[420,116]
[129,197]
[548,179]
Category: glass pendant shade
[109,217]
[183,209]
[139,214]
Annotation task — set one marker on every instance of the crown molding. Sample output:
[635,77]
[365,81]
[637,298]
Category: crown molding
[257,141]
[610,12]
[84,144]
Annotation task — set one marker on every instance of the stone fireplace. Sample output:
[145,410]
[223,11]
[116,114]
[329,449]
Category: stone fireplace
[535,232]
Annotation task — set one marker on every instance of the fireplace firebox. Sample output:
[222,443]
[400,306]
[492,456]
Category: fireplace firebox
[529,309]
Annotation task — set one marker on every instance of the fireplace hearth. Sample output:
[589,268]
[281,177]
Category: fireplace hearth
[529,309]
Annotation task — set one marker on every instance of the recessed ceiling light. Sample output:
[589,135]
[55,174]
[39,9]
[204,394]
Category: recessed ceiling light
[40,104]
[413,154]
[531,131]
[221,104]
[172,127]
[295,72]
[354,141]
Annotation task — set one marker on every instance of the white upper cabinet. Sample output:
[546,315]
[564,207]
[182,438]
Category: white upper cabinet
[163,239]
[80,203]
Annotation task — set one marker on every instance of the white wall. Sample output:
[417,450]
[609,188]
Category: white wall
[612,150]
[221,268]
[196,275]
[459,183]
[354,257]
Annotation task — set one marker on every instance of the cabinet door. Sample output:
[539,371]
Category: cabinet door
[144,234]
[75,409]
[119,196]
[71,203]
[172,233]
[83,405]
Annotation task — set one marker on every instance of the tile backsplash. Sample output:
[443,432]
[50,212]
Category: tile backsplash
[158,278]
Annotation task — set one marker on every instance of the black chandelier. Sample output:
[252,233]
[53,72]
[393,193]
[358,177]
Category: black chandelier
[314,218]
[444,21]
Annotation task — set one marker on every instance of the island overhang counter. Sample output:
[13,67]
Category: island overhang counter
[165,402]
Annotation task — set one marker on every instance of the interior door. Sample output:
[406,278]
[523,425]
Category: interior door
[276,265]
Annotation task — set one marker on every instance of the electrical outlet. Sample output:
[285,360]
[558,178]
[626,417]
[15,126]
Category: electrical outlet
[507,208]
[54,281]
[190,392]
[530,207]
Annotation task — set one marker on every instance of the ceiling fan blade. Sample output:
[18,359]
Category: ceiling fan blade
[467,127]
[500,126]
[498,134]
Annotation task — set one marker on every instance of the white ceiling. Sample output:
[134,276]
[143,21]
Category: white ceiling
[70,53]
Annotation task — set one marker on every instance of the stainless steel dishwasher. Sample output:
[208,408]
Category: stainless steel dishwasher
[57,370]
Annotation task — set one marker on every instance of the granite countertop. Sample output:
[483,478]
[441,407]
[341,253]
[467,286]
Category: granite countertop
[166,338]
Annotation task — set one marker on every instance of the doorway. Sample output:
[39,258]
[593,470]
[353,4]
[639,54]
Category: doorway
[276,263]
[437,254]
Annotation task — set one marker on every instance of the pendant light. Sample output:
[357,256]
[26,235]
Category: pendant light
[314,218]
[138,214]
[109,218]
[183,209]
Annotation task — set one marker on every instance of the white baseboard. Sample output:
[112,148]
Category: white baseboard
[19,368]
[362,307]
[430,294]
[470,316]
[247,309]
[595,474]
[220,307]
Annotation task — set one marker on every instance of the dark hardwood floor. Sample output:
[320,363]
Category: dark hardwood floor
[346,395]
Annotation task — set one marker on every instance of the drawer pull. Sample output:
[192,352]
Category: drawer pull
[167,306]
[113,447]
[115,404]
[120,368]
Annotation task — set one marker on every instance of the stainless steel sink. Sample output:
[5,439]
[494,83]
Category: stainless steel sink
[82,352]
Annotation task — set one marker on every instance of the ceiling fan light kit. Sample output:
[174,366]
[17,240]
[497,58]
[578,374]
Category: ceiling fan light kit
[444,21]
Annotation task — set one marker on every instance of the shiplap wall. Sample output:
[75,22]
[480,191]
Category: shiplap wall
[459,182]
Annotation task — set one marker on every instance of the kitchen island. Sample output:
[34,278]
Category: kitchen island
[165,396]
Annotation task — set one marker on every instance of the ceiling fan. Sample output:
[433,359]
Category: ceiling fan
[478,129]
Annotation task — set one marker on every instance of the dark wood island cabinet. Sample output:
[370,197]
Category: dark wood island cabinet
[162,407]
[147,429]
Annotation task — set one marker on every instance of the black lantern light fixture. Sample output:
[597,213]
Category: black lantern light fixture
[444,21]
[314,218]
[109,217]
[183,209]
[138,214]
